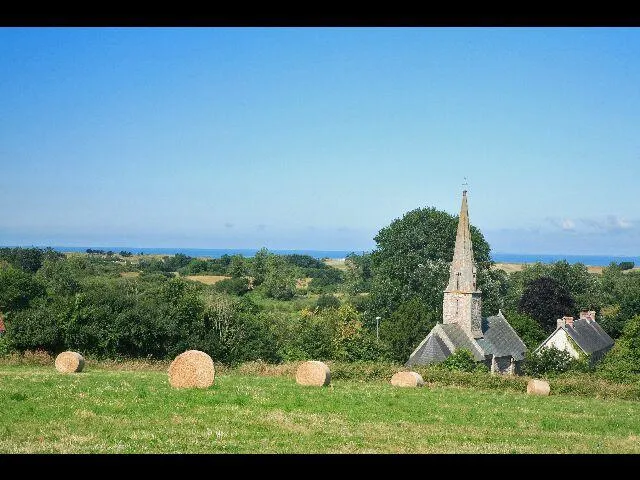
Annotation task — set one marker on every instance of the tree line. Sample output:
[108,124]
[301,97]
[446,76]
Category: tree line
[54,301]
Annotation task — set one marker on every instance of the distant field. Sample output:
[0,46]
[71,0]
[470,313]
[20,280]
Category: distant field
[130,274]
[516,267]
[136,411]
[206,279]
[338,263]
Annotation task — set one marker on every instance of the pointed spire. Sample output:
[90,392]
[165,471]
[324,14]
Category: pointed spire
[462,272]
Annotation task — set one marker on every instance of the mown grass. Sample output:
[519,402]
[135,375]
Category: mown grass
[106,410]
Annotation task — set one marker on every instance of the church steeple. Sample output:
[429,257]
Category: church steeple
[462,299]
[462,272]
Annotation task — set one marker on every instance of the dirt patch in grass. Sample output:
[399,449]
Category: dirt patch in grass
[130,274]
[207,279]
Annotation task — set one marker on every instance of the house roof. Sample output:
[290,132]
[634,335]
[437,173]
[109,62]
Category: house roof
[500,339]
[589,336]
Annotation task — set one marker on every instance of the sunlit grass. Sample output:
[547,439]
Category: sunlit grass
[136,411]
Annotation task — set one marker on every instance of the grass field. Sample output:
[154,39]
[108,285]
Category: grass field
[516,267]
[136,411]
[207,279]
[338,263]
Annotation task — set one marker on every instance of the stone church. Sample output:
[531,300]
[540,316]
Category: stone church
[491,340]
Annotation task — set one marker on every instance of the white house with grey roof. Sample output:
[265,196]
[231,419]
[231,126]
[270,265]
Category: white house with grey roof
[491,340]
[579,337]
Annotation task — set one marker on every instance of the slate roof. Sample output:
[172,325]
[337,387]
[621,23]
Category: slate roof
[460,339]
[589,336]
[431,350]
[499,339]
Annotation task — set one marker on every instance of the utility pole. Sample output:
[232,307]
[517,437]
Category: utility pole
[377,328]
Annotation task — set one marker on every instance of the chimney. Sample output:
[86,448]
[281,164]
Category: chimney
[568,321]
[588,315]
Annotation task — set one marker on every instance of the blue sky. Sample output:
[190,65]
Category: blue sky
[315,138]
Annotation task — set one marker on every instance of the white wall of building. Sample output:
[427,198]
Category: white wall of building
[561,340]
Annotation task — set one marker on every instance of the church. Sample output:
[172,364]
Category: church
[491,340]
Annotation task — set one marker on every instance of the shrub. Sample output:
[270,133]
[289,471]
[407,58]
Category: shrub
[233,286]
[462,360]
[624,358]
[626,265]
[17,289]
[327,301]
[547,361]
[36,328]
[5,348]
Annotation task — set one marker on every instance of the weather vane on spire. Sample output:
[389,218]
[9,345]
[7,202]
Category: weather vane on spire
[465,185]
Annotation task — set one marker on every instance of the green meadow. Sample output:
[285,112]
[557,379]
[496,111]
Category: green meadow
[102,410]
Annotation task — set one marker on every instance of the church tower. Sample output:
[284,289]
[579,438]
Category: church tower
[462,302]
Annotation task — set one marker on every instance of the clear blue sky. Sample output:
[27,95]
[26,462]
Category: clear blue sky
[315,138]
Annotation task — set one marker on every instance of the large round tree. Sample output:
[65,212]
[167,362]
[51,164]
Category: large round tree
[546,300]
[412,258]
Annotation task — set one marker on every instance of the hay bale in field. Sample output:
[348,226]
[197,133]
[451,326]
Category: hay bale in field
[313,373]
[190,369]
[69,362]
[407,379]
[538,387]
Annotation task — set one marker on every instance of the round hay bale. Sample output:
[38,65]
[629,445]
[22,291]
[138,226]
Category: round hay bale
[538,387]
[407,379]
[313,373]
[190,369]
[69,362]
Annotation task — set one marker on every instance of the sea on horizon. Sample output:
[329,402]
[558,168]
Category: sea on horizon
[498,257]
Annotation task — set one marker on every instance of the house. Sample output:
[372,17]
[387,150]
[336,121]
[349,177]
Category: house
[491,340]
[579,337]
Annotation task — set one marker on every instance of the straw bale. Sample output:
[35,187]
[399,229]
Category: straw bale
[538,387]
[69,362]
[407,379]
[190,369]
[313,373]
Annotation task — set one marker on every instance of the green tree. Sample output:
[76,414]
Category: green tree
[412,258]
[545,300]
[280,280]
[237,267]
[406,328]
[233,286]
[528,329]
[17,289]
[358,273]
[259,266]
[584,287]
[624,358]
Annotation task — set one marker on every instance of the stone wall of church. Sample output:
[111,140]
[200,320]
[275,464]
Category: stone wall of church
[504,365]
[465,310]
